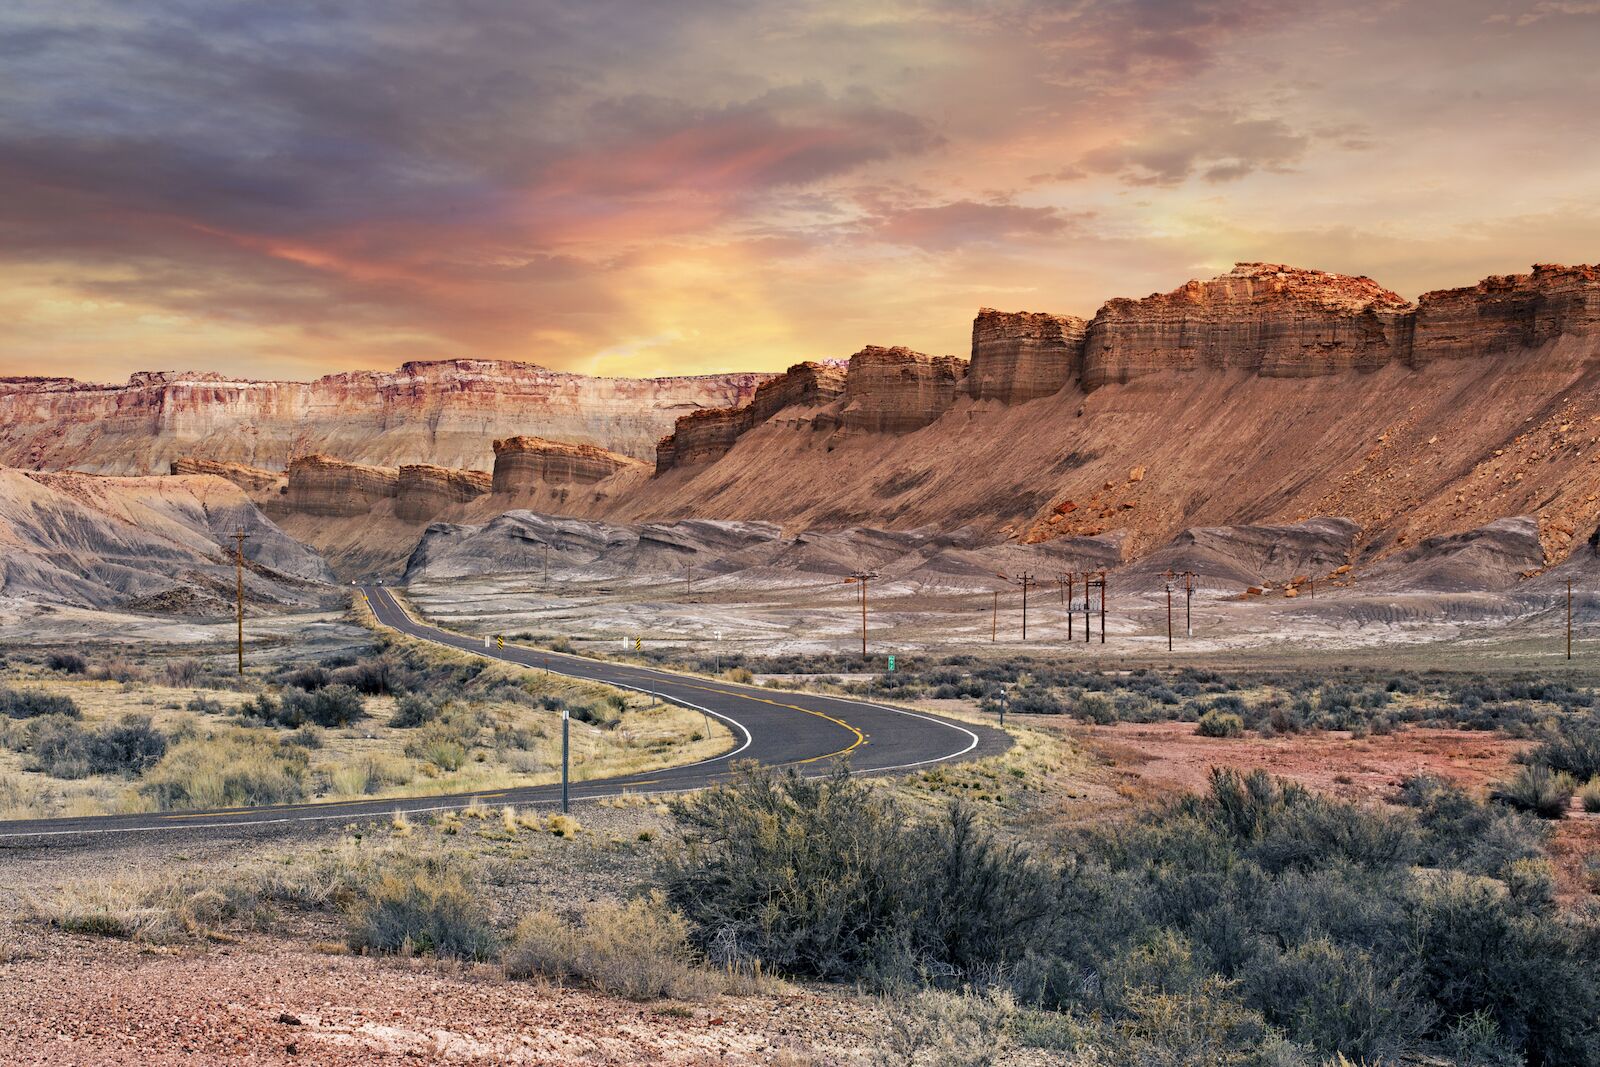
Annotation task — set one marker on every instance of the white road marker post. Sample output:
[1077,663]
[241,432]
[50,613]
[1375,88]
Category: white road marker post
[566,731]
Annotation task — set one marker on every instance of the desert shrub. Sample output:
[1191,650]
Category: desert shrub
[1095,708]
[1035,700]
[306,678]
[183,672]
[944,1029]
[1572,746]
[1537,789]
[1589,795]
[232,768]
[62,748]
[367,774]
[31,703]
[329,706]
[638,950]
[205,706]
[375,676]
[827,878]
[739,674]
[1216,723]
[66,662]
[1461,833]
[413,710]
[427,907]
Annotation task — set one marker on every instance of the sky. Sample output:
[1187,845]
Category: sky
[290,188]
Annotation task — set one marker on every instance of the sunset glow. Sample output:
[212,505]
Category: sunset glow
[626,188]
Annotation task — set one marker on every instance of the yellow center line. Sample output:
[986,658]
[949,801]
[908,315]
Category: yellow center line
[857,743]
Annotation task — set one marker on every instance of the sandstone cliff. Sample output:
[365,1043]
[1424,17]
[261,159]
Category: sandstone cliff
[423,490]
[525,464]
[258,483]
[1277,321]
[703,436]
[322,485]
[445,412]
[896,390]
[1505,313]
[1022,355]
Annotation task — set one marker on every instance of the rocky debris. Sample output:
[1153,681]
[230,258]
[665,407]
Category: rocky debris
[524,464]
[896,390]
[1022,355]
[1507,313]
[423,490]
[707,435]
[166,541]
[1491,557]
[444,412]
[1270,319]
[322,485]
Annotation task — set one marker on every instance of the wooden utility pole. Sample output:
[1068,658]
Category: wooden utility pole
[863,578]
[1065,583]
[1188,603]
[239,536]
[994,618]
[1569,618]
[1027,581]
[1169,614]
[547,564]
[1096,582]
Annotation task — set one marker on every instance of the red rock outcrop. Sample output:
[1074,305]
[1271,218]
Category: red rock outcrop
[443,412]
[1278,321]
[896,390]
[1022,355]
[1507,312]
[423,490]
[525,464]
[322,485]
[704,436]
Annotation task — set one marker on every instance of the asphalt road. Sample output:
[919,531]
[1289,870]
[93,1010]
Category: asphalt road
[775,727]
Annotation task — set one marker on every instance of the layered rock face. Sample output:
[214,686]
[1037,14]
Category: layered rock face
[1023,355]
[1507,312]
[322,485]
[704,436]
[525,464]
[896,390]
[423,490]
[443,412]
[252,480]
[1278,321]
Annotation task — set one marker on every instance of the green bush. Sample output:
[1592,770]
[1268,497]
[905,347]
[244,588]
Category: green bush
[413,710]
[66,663]
[31,703]
[1590,795]
[1095,708]
[1220,724]
[1572,747]
[1537,789]
[826,877]
[330,706]
[422,907]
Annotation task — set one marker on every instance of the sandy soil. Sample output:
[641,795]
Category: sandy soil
[76,1000]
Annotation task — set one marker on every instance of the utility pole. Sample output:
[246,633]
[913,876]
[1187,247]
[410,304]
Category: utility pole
[1096,582]
[239,591]
[862,578]
[566,731]
[1065,583]
[1027,581]
[547,564]
[994,619]
[1188,603]
[1169,614]
[688,579]
[1569,618]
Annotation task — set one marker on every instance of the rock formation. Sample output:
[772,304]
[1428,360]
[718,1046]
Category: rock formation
[896,390]
[444,412]
[704,436]
[1507,312]
[423,490]
[1277,321]
[252,480]
[524,464]
[1022,355]
[322,485]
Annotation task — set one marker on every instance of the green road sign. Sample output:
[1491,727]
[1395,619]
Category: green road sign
[891,663]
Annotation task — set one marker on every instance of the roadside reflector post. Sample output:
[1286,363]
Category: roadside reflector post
[566,732]
[1003,698]
[485,640]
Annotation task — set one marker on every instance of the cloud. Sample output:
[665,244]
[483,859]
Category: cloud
[1219,146]
[951,225]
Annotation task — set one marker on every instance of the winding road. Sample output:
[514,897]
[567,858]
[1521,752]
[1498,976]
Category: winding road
[774,727]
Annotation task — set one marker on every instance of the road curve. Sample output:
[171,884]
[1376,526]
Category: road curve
[774,727]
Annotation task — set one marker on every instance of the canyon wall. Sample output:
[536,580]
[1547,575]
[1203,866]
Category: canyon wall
[703,436]
[896,390]
[1023,355]
[444,412]
[1504,313]
[252,480]
[322,485]
[526,464]
[423,490]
